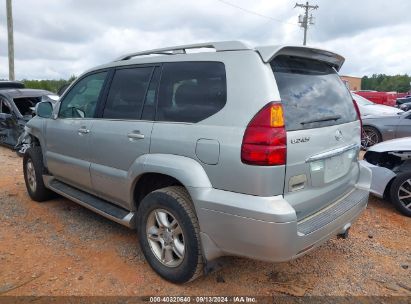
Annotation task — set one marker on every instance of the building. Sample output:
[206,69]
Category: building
[352,83]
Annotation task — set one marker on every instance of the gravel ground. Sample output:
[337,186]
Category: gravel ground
[59,248]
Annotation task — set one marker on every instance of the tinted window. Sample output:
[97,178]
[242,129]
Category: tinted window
[312,93]
[191,91]
[127,92]
[81,100]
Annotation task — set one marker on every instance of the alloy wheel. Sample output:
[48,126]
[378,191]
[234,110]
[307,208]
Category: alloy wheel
[369,138]
[165,237]
[404,194]
[31,175]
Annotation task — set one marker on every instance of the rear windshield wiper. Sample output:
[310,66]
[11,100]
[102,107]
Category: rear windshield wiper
[326,118]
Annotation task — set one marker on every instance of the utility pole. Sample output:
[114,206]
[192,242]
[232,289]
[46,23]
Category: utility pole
[10,39]
[305,20]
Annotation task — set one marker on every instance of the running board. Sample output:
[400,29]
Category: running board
[92,202]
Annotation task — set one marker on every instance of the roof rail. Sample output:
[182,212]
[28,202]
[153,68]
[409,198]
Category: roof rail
[219,46]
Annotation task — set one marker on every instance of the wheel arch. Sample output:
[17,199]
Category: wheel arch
[372,126]
[386,194]
[36,129]
[155,171]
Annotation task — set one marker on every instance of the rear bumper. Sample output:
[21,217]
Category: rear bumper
[266,228]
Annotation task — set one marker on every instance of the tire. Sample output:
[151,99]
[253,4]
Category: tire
[399,188]
[33,169]
[175,254]
[371,136]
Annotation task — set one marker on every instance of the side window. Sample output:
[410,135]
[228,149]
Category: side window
[191,91]
[127,92]
[82,99]
[4,107]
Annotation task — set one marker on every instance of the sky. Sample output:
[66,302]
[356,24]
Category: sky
[57,39]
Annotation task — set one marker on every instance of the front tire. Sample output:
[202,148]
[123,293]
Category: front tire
[400,193]
[169,234]
[33,169]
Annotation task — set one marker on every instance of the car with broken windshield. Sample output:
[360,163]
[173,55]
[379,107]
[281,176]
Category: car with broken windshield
[16,108]
[238,150]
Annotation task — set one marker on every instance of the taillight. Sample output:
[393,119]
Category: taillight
[357,109]
[265,140]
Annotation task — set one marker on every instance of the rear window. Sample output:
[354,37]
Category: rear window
[191,91]
[312,93]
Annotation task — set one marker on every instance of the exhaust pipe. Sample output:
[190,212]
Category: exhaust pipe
[345,232]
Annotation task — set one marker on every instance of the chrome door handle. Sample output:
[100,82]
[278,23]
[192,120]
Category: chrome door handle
[83,131]
[135,135]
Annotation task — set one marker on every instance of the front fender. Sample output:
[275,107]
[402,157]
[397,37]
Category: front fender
[36,128]
[387,132]
[380,178]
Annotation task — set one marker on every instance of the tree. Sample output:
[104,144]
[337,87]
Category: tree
[49,85]
[382,82]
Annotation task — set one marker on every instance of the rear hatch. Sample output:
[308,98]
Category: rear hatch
[323,133]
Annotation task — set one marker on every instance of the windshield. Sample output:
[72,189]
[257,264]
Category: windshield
[361,100]
[26,105]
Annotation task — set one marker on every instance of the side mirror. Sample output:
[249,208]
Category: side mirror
[5,117]
[44,109]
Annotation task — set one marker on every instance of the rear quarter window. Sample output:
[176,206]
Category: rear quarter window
[312,93]
[191,91]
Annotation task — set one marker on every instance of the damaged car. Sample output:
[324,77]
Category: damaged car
[16,109]
[390,163]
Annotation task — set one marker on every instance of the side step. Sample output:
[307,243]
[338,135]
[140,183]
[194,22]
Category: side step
[98,205]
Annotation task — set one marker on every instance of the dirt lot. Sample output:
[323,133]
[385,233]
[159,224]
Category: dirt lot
[60,248]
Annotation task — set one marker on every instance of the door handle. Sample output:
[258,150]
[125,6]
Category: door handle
[83,130]
[135,135]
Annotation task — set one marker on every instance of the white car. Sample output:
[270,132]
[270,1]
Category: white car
[369,108]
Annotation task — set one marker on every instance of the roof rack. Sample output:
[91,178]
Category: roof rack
[218,46]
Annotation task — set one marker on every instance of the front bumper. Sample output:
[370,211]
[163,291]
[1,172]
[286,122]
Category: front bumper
[266,228]
[380,178]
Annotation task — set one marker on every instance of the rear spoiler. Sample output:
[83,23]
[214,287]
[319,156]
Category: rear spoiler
[268,53]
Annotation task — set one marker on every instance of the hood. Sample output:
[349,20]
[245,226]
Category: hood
[399,144]
[381,116]
[379,110]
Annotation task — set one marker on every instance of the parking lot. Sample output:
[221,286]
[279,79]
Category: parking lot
[60,248]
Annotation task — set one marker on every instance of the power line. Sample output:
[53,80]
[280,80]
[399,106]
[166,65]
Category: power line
[305,20]
[253,12]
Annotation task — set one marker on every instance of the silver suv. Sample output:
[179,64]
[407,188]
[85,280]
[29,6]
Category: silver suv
[241,151]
